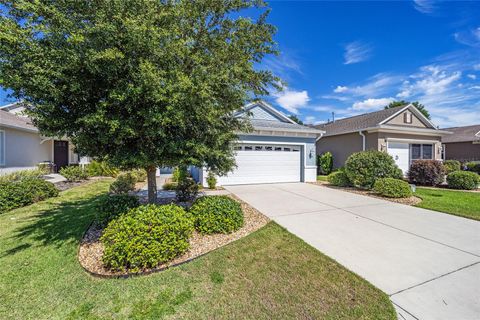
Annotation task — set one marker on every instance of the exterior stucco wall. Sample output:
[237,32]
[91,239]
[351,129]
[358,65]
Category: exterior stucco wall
[399,120]
[463,151]
[341,146]
[23,149]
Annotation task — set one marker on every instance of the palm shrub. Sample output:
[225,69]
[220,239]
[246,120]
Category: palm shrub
[325,163]
[111,206]
[426,172]
[124,183]
[339,179]
[451,166]
[146,237]
[73,173]
[463,180]
[217,214]
[365,167]
[392,188]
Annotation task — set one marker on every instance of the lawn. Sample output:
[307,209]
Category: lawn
[460,203]
[268,274]
[321,178]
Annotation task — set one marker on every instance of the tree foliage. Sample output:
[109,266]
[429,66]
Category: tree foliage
[417,105]
[140,83]
[295,119]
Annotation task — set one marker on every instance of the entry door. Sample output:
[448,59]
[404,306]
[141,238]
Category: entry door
[60,153]
[265,164]
[400,153]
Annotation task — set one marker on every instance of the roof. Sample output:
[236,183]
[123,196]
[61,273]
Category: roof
[357,123]
[277,125]
[463,134]
[11,120]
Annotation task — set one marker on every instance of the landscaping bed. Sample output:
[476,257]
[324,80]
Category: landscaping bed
[91,248]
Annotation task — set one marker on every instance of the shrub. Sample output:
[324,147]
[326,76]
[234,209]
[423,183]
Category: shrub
[217,214]
[140,175]
[451,166]
[101,169]
[187,189]
[392,188]
[325,163]
[170,186]
[176,174]
[24,191]
[74,173]
[363,168]
[463,180]
[112,206]
[339,179]
[426,172]
[23,174]
[211,180]
[146,236]
[473,166]
[124,183]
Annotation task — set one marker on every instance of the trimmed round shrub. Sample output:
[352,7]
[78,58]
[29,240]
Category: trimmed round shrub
[339,179]
[463,180]
[74,173]
[111,206]
[365,167]
[426,172]
[124,183]
[392,188]
[451,166]
[217,214]
[146,236]
[473,166]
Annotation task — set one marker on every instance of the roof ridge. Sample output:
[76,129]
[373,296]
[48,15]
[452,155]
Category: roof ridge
[363,114]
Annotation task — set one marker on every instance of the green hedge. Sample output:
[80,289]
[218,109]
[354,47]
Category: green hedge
[74,173]
[325,163]
[217,214]
[451,166]
[24,191]
[463,180]
[124,183]
[365,167]
[339,179]
[146,237]
[392,188]
[111,206]
[426,172]
[473,166]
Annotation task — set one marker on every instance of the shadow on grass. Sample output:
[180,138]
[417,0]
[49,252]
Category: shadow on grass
[56,226]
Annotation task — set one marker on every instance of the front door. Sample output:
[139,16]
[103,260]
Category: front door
[400,153]
[60,153]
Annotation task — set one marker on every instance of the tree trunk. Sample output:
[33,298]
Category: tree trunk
[152,184]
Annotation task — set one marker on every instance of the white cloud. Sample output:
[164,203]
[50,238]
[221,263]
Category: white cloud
[357,51]
[377,85]
[472,76]
[340,89]
[476,67]
[469,38]
[371,104]
[292,100]
[424,6]
[475,87]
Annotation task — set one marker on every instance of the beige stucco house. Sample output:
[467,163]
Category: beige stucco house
[404,132]
[23,147]
[463,144]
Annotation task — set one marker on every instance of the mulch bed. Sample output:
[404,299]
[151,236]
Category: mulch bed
[91,249]
[411,201]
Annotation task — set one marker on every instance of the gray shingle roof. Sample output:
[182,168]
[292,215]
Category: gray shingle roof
[268,124]
[12,120]
[462,134]
[356,123]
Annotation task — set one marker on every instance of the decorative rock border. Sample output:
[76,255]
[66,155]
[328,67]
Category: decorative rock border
[91,249]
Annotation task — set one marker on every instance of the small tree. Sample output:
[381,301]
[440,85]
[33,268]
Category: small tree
[295,119]
[417,105]
[139,83]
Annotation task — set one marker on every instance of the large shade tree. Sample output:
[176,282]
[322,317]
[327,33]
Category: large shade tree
[141,83]
[417,105]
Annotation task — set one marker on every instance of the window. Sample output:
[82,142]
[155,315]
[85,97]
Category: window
[407,117]
[427,151]
[416,151]
[2,148]
[248,148]
[258,148]
[278,148]
[422,151]
[268,148]
[237,148]
[286,149]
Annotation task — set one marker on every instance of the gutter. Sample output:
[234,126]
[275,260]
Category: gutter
[363,139]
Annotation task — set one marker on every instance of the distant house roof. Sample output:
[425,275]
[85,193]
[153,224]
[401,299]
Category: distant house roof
[463,134]
[11,120]
[377,119]
[269,125]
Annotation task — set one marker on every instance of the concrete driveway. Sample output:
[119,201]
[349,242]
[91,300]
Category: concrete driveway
[427,262]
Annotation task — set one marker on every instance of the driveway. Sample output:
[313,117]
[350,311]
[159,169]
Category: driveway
[427,262]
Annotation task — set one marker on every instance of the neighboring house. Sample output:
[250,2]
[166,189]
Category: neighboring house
[463,144]
[277,150]
[404,132]
[23,147]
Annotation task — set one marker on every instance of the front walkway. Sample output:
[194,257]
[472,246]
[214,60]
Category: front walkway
[427,262]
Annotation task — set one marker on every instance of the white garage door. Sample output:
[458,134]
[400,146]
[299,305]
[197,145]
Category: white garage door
[264,164]
[400,153]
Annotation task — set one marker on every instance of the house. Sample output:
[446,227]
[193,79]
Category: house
[463,144]
[23,147]
[404,132]
[277,150]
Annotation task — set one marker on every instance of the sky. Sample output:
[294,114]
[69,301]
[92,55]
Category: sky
[355,57]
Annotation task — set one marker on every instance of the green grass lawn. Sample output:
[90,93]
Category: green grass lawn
[460,203]
[268,274]
[321,178]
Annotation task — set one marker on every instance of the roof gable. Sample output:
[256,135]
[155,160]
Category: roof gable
[261,110]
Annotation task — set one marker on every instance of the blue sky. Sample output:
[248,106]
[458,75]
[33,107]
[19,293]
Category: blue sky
[355,57]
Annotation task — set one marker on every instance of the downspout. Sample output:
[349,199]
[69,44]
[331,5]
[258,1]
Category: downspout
[363,139]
